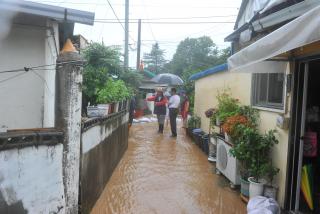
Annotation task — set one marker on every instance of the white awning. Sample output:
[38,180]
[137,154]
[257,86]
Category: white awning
[297,33]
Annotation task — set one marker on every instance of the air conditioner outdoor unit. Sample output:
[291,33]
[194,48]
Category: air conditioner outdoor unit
[226,163]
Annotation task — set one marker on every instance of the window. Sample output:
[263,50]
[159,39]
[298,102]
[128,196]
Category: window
[268,90]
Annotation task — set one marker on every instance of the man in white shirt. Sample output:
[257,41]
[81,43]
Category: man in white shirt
[174,104]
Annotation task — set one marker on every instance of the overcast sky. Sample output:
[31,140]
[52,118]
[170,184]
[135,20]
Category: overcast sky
[167,34]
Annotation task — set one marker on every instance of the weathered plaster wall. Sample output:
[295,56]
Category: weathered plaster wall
[103,146]
[22,97]
[28,99]
[31,180]
[206,90]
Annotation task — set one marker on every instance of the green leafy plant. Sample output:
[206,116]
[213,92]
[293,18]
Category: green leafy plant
[251,114]
[113,91]
[194,122]
[242,149]
[102,63]
[227,105]
[252,150]
[270,171]
[261,154]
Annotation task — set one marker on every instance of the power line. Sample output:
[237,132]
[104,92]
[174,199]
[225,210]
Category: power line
[10,78]
[175,22]
[120,22]
[26,69]
[115,14]
[143,5]
[145,8]
[173,18]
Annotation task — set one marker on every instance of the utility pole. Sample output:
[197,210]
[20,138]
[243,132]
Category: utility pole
[139,45]
[126,36]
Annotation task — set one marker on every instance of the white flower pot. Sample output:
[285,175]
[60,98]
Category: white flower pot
[255,188]
[103,109]
[244,187]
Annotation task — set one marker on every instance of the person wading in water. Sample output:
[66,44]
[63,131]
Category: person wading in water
[160,110]
[174,103]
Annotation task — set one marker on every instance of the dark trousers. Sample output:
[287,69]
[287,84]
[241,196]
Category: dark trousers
[173,113]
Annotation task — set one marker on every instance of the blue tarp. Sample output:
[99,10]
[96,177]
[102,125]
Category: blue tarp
[216,69]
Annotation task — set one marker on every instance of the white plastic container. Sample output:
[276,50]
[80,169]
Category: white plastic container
[103,109]
[255,188]
[98,111]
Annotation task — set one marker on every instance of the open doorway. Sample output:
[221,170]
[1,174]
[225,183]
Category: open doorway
[304,161]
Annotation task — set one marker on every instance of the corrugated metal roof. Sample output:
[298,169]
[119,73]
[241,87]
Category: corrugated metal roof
[210,71]
[50,11]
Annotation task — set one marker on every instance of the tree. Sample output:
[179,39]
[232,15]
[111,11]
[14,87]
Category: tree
[155,61]
[194,55]
[102,62]
[132,79]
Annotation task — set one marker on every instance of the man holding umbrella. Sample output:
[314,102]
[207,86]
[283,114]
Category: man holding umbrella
[174,103]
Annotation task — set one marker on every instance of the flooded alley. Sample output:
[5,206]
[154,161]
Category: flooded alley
[160,174]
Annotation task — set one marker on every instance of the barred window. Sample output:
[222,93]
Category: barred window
[268,90]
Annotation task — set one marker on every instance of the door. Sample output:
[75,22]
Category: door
[297,129]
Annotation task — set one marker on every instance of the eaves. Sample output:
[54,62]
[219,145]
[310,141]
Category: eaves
[57,13]
[275,18]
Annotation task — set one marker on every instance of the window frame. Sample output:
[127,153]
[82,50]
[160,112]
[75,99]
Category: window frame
[255,92]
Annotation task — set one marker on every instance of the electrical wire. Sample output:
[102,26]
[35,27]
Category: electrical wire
[26,69]
[10,78]
[45,82]
[121,23]
[168,23]
[169,18]
[140,5]
[145,9]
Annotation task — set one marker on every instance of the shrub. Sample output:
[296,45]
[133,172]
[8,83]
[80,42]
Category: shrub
[227,105]
[113,91]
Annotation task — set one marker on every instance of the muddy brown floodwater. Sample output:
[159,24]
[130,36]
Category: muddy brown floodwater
[159,174]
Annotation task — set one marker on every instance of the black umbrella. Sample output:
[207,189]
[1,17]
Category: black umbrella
[167,78]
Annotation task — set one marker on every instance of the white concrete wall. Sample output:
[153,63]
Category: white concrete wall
[206,90]
[27,101]
[51,54]
[97,134]
[33,176]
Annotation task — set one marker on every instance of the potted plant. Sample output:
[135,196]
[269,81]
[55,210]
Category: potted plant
[227,106]
[270,189]
[194,122]
[229,127]
[241,151]
[243,130]
[260,151]
[114,92]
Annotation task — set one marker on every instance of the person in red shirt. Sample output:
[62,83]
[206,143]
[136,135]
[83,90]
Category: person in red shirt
[185,109]
[160,102]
